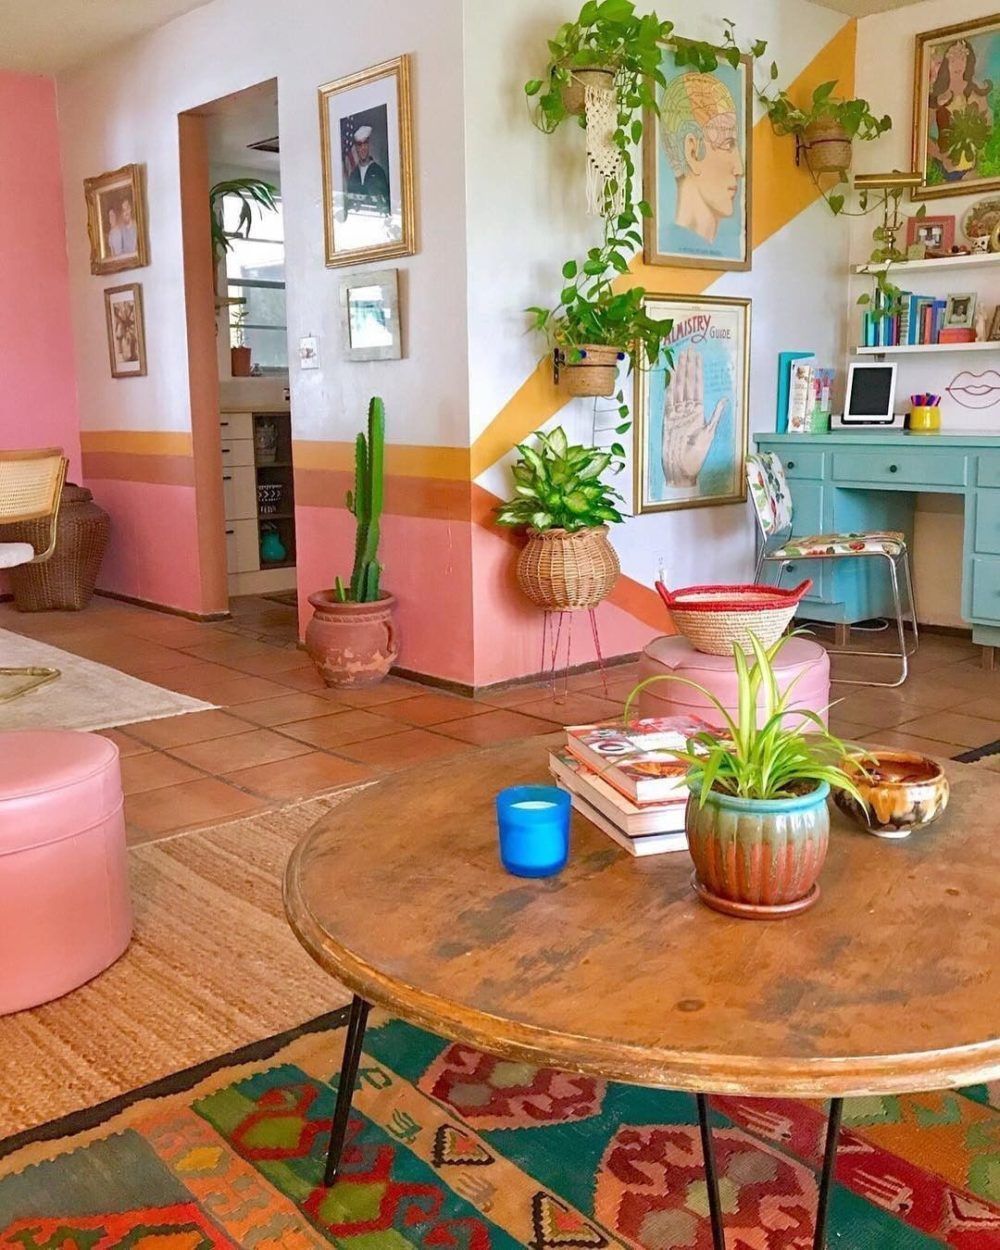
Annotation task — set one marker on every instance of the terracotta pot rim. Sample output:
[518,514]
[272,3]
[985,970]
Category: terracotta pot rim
[325,599]
[763,807]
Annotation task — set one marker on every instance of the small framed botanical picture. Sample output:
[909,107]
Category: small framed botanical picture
[367,149]
[993,332]
[126,331]
[960,311]
[692,415]
[369,307]
[116,220]
[937,234]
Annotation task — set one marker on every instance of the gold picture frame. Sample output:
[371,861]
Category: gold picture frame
[949,167]
[710,345]
[126,330]
[366,124]
[116,220]
[671,242]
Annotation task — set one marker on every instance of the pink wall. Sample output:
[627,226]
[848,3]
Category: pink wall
[38,403]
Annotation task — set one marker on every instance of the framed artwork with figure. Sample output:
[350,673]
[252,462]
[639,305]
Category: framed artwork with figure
[116,220]
[956,109]
[696,162]
[691,411]
[367,149]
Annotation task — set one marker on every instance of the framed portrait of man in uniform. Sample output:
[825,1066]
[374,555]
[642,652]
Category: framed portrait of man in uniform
[697,149]
[368,193]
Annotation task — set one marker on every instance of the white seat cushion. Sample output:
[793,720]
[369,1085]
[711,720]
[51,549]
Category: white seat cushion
[13,554]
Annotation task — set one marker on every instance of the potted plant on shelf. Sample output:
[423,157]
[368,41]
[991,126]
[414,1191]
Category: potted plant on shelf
[240,356]
[352,637]
[564,505]
[825,130]
[757,821]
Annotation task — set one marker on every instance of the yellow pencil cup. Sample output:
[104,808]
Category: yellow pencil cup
[925,420]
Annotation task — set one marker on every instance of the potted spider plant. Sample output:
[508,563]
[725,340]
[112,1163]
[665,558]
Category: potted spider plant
[565,507]
[352,637]
[757,821]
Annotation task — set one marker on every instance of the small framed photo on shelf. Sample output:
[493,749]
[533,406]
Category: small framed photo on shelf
[936,234]
[126,332]
[993,333]
[369,310]
[960,311]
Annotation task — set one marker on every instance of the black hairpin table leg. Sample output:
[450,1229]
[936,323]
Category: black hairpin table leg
[356,1023]
[825,1182]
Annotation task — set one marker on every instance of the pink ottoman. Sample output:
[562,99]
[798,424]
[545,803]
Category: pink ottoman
[798,659]
[64,902]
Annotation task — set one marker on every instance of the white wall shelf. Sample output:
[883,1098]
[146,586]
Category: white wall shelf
[910,349]
[976,261]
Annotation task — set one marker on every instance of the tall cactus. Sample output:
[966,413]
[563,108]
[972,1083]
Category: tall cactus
[365,502]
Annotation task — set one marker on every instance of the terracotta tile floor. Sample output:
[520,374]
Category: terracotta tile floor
[279,734]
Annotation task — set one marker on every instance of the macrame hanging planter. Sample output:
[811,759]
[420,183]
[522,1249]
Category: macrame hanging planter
[605,163]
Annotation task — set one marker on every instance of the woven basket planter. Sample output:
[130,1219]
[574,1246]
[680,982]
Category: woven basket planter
[64,582]
[712,618]
[560,571]
[595,374]
[574,94]
[828,147]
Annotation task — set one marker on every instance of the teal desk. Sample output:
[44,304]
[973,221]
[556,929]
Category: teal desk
[846,482]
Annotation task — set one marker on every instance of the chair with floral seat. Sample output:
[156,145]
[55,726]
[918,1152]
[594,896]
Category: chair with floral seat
[772,503]
[31,485]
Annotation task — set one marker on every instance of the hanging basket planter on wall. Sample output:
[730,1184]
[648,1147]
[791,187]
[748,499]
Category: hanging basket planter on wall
[560,570]
[595,374]
[574,93]
[827,147]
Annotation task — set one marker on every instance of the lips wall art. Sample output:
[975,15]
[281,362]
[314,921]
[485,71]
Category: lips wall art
[975,390]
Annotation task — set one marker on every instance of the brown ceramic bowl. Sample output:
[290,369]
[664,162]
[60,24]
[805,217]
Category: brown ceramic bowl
[904,791]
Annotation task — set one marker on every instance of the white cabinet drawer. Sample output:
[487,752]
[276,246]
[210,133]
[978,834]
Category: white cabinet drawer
[236,451]
[242,547]
[239,492]
[236,425]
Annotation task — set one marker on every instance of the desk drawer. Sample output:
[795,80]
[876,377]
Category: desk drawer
[237,451]
[989,471]
[912,469]
[802,463]
[985,589]
[236,424]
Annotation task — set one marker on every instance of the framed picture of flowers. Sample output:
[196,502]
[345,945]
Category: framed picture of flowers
[126,332]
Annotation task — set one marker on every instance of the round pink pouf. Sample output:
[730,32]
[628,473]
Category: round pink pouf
[799,660]
[64,903]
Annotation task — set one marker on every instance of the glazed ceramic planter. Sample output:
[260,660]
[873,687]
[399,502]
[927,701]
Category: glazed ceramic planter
[352,644]
[903,790]
[758,858]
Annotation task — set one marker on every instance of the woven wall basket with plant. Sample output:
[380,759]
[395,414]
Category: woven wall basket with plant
[560,499]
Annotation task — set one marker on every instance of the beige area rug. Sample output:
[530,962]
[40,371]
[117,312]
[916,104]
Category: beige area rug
[87,695]
[213,966]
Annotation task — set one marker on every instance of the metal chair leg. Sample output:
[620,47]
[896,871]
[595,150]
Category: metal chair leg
[356,1023]
[902,654]
[829,1168]
[711,1175]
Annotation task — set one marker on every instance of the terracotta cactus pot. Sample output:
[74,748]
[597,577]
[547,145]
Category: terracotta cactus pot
[352,644]
[758,858]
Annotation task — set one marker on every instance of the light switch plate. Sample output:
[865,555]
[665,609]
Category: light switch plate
[308,353]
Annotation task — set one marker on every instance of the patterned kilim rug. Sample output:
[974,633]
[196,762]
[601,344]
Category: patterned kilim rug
[450,1148]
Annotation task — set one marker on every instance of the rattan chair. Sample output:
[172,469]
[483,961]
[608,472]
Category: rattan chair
[31,485]
[772,503]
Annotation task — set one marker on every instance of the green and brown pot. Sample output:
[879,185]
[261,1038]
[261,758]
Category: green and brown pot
[758,858]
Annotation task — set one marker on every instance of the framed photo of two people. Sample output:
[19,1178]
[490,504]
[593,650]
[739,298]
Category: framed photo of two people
[367,147]
[696,157]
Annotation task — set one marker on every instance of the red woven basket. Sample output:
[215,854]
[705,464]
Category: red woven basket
[712,618]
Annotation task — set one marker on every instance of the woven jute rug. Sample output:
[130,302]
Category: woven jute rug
[448,1147]
[86,695]
[213,965]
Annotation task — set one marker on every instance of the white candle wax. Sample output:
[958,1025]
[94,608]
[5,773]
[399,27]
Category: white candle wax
[533,805]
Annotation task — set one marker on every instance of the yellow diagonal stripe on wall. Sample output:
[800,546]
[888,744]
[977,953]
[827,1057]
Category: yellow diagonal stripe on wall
[780,190]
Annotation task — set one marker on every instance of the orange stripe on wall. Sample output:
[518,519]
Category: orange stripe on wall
[435,499]
[780,192]
[138,442]
[119,466]
[401,459]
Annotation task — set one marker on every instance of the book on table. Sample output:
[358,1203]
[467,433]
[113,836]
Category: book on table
[638,759]
[634,820]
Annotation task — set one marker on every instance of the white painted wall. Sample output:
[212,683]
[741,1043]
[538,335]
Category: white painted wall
[885,62]
[124,108]
[526,216]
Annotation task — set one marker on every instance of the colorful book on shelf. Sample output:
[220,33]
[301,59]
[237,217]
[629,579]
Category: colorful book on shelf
[956,334]
[650,844]
[633,820]
[637,759]
[785,362]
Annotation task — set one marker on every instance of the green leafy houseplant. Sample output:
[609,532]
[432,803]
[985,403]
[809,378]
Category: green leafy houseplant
[252,193]
[558,485]
[853,116]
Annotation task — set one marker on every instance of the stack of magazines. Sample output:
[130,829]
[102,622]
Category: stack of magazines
[626,780]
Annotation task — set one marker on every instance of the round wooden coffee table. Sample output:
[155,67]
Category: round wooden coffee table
[890,984]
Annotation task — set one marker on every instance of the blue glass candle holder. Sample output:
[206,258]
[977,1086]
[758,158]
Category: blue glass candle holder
[534,830]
